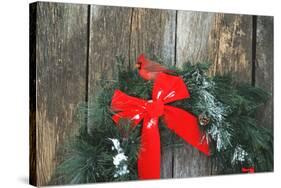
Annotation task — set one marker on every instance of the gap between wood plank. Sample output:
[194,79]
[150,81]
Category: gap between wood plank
[88,52]
[176,28]
[130,34]
[175,63]
[254,46]
[87,64]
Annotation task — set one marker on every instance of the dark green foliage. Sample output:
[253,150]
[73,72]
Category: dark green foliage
[233,128]
[89,156]
[243,101]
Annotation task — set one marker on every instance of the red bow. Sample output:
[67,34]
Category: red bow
[166,89]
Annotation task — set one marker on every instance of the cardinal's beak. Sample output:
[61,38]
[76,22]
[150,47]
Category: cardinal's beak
[137,65]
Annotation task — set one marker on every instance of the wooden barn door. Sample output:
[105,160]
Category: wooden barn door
[73,47]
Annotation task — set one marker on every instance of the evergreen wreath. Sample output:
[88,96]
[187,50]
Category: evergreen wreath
[226,112]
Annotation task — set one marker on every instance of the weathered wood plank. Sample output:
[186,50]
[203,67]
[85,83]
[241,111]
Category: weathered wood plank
[224,40]
[32,95]
[193,30]
[153,33]
[109,37]
[189,162]
[230,51]
[61,54]
[230,46]
[167,162]
[264,66]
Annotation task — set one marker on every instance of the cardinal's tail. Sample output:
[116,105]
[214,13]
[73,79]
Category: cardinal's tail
[170,72]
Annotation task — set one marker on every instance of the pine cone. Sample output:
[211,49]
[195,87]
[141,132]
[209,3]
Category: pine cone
[203,119]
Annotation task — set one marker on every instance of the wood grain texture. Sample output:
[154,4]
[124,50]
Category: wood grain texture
[264,67]
[193,32]
[230,46]
[153,33]
[167,160]
[189,162]
[61,42]
[108,38]
[224,40]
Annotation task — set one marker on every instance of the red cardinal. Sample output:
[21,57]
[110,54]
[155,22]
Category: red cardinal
[149,69]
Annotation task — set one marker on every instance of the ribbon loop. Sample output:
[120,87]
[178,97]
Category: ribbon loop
[169,88]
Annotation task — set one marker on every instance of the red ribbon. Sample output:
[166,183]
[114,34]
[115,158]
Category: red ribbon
[248,170]
[166,89]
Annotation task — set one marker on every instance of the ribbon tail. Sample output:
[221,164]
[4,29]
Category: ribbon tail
[186,126]
[149,158]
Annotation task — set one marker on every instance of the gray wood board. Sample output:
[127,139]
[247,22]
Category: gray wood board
[61,56]
[264,67]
